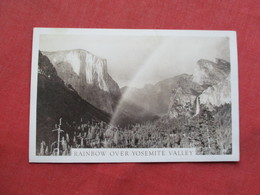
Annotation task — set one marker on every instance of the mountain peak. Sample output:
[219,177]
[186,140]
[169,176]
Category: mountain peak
[88,75]
[79,59]
[210,73]
[219,63]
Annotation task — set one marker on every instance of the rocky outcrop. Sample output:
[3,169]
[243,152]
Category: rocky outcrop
[208,73]
[88,75]
[217,95]
[215,77]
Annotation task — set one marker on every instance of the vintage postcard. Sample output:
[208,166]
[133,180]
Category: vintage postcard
[114,95]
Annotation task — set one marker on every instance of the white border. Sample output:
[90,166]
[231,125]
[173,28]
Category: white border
[194,158]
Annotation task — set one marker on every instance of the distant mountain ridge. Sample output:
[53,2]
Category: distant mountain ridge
[156,98]
[178,95]
[88,75]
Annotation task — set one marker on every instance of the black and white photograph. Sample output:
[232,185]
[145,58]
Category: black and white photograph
[112,95]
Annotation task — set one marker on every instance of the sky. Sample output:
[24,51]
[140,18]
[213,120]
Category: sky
[138,60]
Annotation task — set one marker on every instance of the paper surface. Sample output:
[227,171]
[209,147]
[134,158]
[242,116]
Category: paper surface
[100,95]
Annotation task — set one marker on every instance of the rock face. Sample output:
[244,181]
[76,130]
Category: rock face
[208,73]
[210,86]
[215,77]
[218,94]
[88,75]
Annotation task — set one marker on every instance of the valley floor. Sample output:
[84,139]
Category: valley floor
[208,136]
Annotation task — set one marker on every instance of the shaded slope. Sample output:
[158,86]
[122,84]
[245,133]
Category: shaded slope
[55,99]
